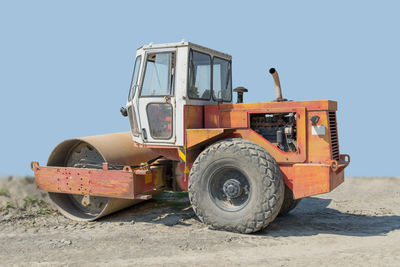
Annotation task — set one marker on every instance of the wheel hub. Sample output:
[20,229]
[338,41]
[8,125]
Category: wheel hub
[232,188]
[229,188]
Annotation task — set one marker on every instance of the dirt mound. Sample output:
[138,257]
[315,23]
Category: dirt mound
[19,196]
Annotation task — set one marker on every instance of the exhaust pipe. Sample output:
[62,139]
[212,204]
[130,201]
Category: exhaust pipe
[277,83]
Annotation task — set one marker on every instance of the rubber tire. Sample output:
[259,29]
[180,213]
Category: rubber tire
[263,173]
[288,202]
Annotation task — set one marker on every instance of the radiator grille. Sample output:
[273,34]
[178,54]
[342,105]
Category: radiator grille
[334,135]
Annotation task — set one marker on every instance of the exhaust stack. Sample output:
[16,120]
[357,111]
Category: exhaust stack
[277,83]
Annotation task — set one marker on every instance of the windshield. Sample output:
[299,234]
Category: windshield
[135,77]
[158,78]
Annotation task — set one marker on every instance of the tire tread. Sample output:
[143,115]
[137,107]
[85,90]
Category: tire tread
[267,209]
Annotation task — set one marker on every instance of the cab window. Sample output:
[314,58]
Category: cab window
[160,120]
[222,85]
[159,74]
[135,76]
[199,86]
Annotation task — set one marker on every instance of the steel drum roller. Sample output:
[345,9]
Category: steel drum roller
[117,149]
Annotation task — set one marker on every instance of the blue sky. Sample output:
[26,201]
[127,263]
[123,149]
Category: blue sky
[65,67]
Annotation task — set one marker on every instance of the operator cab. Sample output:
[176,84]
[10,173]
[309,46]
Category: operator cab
[166,77]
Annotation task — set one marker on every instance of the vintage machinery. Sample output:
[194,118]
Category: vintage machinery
[243,164]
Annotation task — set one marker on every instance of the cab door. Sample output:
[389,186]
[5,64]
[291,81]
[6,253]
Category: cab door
[131,105]
[156,102]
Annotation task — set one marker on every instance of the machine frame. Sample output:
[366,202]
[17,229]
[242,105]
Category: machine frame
[299,139]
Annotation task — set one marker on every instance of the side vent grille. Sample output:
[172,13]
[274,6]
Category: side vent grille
[334,135]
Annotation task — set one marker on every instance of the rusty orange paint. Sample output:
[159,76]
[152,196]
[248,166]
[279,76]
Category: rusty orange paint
[211,116]
[287,171]
[97,182]
[182,176]
[169,152]
[312,179]
[150,181]
[193,117]
[279,155]
[233,119]
[308,171]
[318,146]
[268,106]
[196,137]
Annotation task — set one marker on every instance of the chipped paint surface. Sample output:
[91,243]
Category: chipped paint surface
[124,183]
[308,171]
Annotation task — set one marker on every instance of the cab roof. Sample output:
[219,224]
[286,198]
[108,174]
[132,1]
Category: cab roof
[186,44]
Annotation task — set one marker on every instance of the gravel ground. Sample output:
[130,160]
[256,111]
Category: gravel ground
[358,224]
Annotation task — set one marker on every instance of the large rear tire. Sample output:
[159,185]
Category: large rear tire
[236,185]
[288,202]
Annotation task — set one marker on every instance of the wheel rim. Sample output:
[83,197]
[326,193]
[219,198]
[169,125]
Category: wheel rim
[81,154]
[229,188]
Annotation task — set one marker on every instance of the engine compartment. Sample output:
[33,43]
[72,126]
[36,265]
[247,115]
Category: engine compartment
[278,128]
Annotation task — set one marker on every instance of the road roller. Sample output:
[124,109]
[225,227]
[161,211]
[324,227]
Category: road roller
[243,164]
